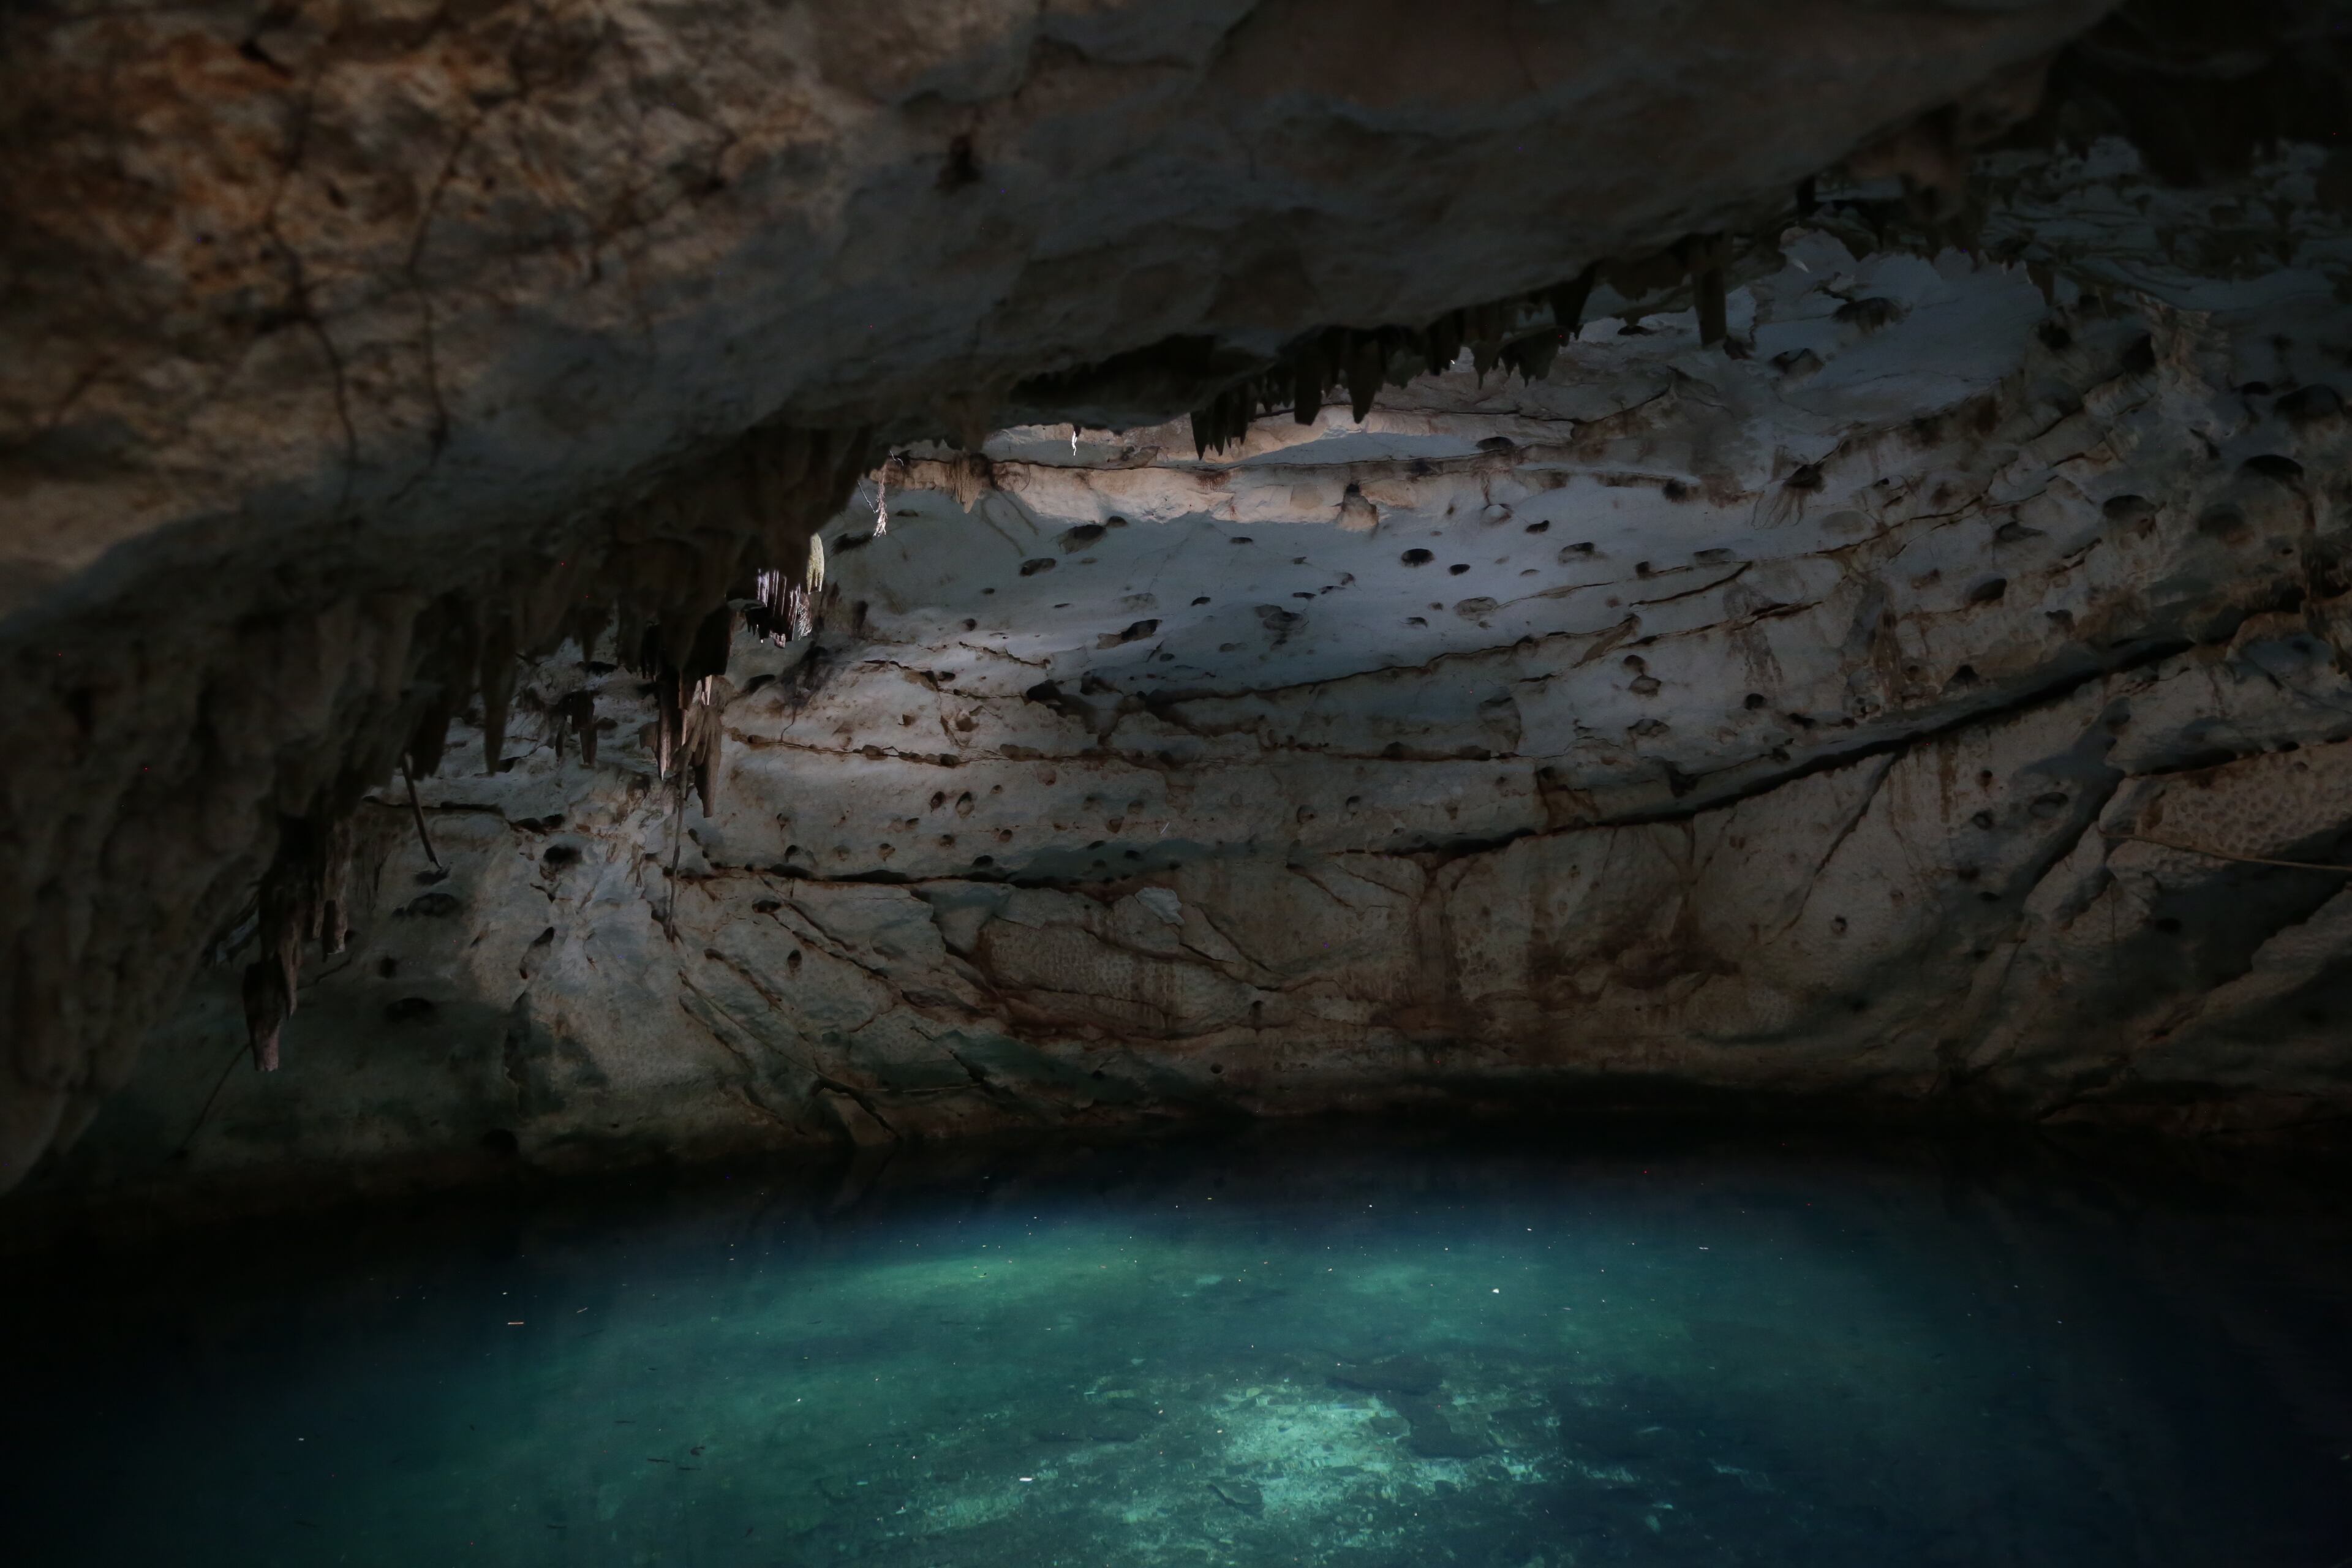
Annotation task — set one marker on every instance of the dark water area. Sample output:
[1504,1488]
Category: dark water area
[1329,1348]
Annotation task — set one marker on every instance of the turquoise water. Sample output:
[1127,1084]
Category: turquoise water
[1262,1352]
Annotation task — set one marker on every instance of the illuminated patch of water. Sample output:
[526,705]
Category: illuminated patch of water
[1260,1354]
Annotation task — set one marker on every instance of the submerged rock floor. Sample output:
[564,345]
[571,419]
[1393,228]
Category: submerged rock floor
[1217,1356]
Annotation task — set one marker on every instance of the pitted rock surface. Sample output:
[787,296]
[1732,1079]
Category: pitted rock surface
[328,328]
[1882,714]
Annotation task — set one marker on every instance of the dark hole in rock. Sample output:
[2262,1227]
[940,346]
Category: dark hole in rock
[1808,477]
[1989,592]
[561,855]
[2168,925]
[1753,702]
[501,1142]
[2313,402]
[2054,338]
[386,967]
[1458,568]
[1870,313]
[2223,522]
[1416,557]
[409,1010]
[432,906]
[2273,465]
[961,167]
[1081,536]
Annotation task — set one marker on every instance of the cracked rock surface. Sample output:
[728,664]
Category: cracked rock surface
[1937,702]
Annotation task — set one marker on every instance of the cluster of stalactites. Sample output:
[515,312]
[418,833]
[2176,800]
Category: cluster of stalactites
[788,603]
[305,896]
[688,701]
[660,577]
[1523,334]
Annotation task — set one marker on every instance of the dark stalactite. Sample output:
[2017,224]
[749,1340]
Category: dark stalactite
[669,569]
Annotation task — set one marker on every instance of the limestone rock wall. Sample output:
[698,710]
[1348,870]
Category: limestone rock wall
[1937,700]
[327,326]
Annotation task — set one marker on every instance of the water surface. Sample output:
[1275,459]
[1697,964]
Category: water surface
[1271,1352]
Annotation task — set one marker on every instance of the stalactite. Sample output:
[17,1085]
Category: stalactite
[1510,333]
[1367,368]
[494,680]
[575,712]
[1708,257]
[305,898]
[669,570]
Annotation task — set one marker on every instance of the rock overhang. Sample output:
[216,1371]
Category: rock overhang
[1286,657]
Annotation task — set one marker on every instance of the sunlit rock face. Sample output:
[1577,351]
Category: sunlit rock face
[1932,700]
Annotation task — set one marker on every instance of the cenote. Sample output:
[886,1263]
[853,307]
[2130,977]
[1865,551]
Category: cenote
[1176,784]
[1304,1348]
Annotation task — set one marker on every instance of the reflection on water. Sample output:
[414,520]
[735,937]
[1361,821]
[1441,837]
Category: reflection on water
[1273,1351]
